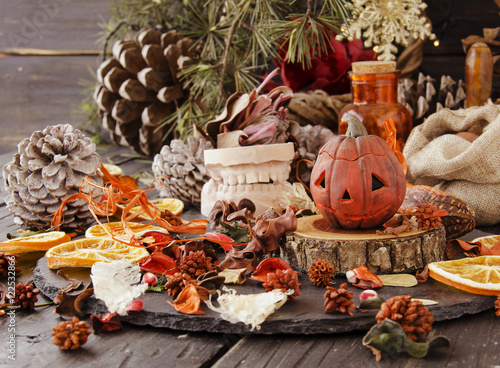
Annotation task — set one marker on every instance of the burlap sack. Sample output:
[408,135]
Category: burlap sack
[470,171]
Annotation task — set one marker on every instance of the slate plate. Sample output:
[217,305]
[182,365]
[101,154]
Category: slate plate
[304,315]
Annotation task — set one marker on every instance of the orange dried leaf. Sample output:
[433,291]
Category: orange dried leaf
[188,301]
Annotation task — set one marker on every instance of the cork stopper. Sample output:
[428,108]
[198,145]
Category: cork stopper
[372,67]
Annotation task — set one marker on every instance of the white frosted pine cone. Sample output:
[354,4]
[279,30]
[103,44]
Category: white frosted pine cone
[50,166]
[180,169]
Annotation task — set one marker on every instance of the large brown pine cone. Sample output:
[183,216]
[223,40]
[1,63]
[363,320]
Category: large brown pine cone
[70,335]
[138,88]
[25,295]
[497,306]
[195,264]
[321,272]
[340,299]
[283,280]
[412,315]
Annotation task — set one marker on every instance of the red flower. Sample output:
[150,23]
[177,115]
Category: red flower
[328,72]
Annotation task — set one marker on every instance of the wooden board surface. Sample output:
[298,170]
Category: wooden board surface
[51,24]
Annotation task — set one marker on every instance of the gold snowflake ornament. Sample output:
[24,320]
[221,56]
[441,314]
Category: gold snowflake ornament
[382,23]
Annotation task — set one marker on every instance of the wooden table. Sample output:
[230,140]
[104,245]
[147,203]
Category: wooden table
[474,339]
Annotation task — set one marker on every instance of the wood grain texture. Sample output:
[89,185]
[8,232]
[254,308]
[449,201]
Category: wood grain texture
[51,24]
[130,347]
[37,92]
[472,345]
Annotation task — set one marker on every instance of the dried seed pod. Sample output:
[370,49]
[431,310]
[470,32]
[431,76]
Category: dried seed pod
[340,299]
[70,335]
[412,315]
[283,280]
[321,272]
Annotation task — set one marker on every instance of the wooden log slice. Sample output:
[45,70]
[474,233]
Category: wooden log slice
[348,249]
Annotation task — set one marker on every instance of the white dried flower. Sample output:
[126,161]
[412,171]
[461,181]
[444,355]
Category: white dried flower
[251,309]
[117,283]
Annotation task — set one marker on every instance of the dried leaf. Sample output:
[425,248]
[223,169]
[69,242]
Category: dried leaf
[110,322]
[426,301]
[73,284]
[71,305]
[233,276]
[188,301]
[423,275]
[159,263]
[401,280]
[269,265]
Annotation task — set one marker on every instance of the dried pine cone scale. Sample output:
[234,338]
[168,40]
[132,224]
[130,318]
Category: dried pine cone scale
[138,87]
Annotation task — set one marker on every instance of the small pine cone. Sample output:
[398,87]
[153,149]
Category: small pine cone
[196,264]
[321,272]
[497,306]
[179,169]
[412,315]
[177,282]
[25,295]
[70,335]
[6,260]
[340,299]
[284,280]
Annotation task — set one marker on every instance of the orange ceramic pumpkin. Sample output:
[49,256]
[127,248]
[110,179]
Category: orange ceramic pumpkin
[357,181]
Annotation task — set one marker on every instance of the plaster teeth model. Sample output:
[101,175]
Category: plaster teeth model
[256,172]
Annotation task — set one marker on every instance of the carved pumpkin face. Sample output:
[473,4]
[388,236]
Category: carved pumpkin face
[357,181]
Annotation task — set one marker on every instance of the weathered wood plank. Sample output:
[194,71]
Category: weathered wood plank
[51,24]
[37,92]
[472,338]
[130,347]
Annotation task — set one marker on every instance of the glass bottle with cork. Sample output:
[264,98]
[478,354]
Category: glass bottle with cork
[374,89]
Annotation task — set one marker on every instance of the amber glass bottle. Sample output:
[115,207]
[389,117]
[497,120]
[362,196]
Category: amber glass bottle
[478,74]
[374,89]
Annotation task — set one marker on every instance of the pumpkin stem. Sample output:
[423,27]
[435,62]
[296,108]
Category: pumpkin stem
[355,127]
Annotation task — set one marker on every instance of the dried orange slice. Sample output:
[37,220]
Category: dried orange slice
[478,275]
[488,240]
[116,228]
[86,252]
[35,243]
[174,205]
